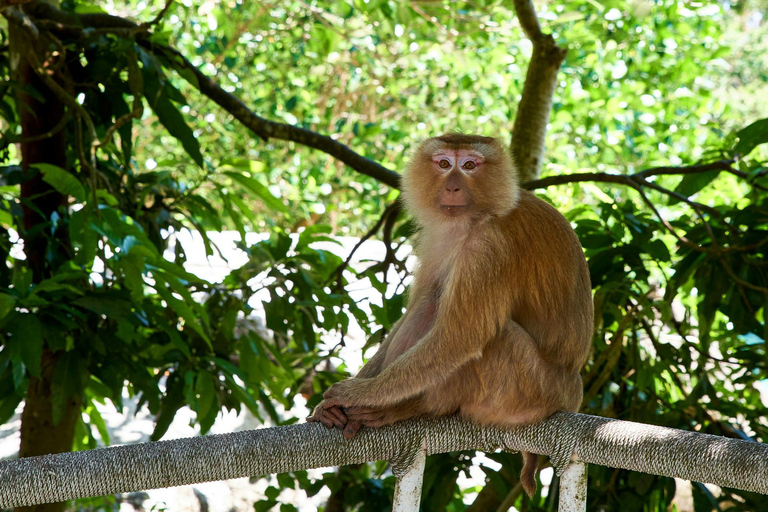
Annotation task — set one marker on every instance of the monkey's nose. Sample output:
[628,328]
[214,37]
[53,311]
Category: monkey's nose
[453,189]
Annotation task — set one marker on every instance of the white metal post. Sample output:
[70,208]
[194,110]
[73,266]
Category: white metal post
[408,488]
[573,488]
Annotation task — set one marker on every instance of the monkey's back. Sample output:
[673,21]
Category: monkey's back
[551,289]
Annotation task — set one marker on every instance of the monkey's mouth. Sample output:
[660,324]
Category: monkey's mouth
[453,210]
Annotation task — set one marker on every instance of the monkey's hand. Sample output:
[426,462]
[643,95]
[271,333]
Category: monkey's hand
[335,417]
[330,417]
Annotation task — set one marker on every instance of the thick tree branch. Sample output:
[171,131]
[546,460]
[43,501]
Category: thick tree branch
[530,128]
[269,129]
[631,180]
[63,24]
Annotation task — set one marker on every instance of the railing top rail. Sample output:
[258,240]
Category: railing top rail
[621,444]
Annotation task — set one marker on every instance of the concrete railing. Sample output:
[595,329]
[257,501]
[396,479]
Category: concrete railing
[569,439]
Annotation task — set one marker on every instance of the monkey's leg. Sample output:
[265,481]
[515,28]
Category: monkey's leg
[520,387]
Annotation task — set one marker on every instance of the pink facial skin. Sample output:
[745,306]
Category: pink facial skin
[466,160]
[456,165]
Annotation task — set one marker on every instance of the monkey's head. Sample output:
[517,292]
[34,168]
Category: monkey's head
[457,176]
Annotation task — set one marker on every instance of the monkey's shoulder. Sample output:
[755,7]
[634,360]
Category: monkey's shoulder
[534,229]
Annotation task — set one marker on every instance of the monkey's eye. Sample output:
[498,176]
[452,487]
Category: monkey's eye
[469,165]
[444,164]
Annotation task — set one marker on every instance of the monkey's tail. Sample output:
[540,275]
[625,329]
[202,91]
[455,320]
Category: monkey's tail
[528,474]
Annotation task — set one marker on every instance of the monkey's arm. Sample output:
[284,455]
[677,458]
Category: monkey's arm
[375,364]
[473,308]
[335,417]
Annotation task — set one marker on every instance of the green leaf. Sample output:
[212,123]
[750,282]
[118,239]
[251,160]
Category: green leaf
[261,191]
[173,120]
[156,91]
[63,181]
[97,420]
[751,137]
[204,387]
[181,308]
[172,402]
[7,304]
[30,335]
[111,308]
[8,406]
[658,250]
[692,183]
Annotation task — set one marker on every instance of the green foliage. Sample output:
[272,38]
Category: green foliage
[680,286]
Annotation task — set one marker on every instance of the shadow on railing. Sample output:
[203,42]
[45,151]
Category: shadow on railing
[564,437]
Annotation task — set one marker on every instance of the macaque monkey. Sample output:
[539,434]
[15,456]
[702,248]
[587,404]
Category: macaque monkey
[499,317]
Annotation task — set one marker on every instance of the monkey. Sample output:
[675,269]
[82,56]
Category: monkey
[499,316]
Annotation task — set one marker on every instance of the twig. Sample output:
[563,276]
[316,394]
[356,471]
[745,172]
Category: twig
[386,213]
[120,121]
[158,18]
[512,495]
[657,346]
[390,259]
[12,139]
[16,15]
[740,281]
[623,179]
[68,100]
[680,238]
[718,165]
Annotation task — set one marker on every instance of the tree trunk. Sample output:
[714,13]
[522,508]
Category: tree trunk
[39,435]
[530,129]
[39,200]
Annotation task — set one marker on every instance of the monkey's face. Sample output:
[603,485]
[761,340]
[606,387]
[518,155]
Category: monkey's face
[453,169]
[459,176]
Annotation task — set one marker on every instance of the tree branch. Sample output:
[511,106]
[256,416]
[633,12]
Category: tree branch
[530,128]
[393,208]
[718,165]
[269,129]
[157,18]
[63,23]
[632,180]
[526,15]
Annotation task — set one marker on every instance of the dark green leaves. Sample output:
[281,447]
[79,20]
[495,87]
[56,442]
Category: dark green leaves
[30,335]
[692,183]
[751,137]
[242,172]
[159,94]
[63,181]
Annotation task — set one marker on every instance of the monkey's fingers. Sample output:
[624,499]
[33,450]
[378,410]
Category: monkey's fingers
[318,417]
[337,417]
[351,429]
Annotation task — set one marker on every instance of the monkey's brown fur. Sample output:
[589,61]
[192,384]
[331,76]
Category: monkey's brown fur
[499,316]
